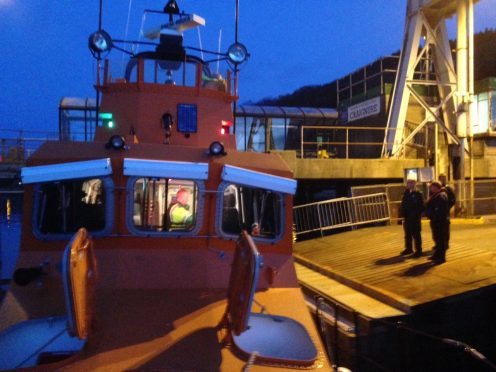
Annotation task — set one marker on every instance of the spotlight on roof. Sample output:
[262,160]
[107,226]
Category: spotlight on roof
[216,148]
[116,142]
[237,53]
[100,41]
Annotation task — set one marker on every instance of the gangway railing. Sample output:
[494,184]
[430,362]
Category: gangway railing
[481,203]
[341,212]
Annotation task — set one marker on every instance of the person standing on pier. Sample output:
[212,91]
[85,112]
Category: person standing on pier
[450,193]
[437,210]
[412,205]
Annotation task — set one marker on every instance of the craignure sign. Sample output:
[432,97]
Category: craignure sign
[364,109]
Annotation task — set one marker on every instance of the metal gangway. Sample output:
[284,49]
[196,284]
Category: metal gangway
[341,213]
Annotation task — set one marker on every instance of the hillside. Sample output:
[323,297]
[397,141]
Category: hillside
[325,95]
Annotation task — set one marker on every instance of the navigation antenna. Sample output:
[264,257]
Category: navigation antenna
[171,8]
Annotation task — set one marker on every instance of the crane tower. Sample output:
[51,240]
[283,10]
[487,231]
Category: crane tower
[426,62]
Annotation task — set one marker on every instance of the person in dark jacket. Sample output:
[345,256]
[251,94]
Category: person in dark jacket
[412,205]
[437,210]
[450,193]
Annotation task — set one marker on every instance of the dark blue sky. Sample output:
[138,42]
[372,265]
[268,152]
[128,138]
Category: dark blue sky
[292,43]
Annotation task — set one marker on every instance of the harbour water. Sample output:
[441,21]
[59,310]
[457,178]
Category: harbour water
[10,233]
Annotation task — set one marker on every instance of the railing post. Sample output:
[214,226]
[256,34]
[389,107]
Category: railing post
[358,344]
[350,218]
[336,333]
[301,142]
[387,209]
[320,220]
[347,143]
[140,73]
[355,217]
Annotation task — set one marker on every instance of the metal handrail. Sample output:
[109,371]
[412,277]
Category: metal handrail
[346,143]
[341,212]
[345,132]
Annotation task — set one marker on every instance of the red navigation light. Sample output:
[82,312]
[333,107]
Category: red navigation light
[226,124]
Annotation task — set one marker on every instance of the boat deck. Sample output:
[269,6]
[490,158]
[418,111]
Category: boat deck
[368,260]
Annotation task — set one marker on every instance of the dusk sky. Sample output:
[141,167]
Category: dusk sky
[292,43]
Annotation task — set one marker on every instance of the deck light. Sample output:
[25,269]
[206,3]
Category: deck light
[216,148]
[107,119]
[237,53]
[100,41]
[116,142]
[225,128]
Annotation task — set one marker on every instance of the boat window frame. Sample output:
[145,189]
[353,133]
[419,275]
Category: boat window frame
[200,184]
[219,209]
[108,186]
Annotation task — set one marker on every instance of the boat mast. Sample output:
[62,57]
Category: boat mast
[98,65]
[236,69]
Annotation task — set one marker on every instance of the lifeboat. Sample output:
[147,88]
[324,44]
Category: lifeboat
[158,245]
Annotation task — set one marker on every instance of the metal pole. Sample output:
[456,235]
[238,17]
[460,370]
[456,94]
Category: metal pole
[236,70]
[301,142]
[98,67]
[462,80]
[471,112]
[320,220]
[436,151]
[347,139]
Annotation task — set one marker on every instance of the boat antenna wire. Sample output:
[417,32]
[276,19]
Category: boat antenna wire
[218,48]
[126,32]
[136,46]
[200,42]
[100,12]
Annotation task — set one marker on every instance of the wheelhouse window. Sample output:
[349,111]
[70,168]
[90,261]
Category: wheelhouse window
[259,211]
[62,207]
[165,204]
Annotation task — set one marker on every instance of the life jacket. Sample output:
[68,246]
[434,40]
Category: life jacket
[179,215]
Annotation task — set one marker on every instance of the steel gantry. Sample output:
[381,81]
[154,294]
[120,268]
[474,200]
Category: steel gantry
[426,61]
